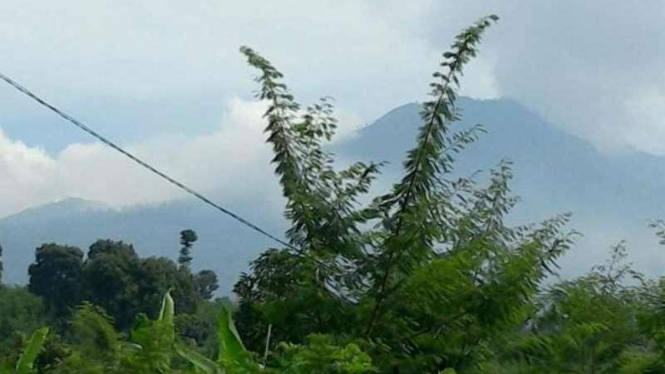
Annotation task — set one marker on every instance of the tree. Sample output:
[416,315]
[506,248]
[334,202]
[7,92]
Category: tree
[1,265]
[21,312]
[206,284]
[110,247]
[187,240]
[109,280]
[56,276]
[124,284]
[96,347]
[411,274]
[322,355]
[159,275]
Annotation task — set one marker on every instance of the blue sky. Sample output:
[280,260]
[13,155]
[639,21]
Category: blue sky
[165,78]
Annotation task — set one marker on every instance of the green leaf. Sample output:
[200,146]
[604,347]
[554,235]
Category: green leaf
[165,323]
[231,348]
[35,344]
[198,360]
[154,340]
[167,311]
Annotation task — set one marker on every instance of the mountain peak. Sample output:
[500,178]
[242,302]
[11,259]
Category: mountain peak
[79,203]
[66,206]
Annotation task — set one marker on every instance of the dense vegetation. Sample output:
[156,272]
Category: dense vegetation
[425,278]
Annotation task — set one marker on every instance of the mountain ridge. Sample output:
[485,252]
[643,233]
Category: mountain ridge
[65,205]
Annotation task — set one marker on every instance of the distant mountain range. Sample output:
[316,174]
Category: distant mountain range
[612,197]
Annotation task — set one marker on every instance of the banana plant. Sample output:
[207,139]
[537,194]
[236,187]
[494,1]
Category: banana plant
[231,349]
[152,342]
[233,357]
[200,362]
[25,363]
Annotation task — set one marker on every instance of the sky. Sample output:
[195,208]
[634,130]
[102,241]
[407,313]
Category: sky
[165,79]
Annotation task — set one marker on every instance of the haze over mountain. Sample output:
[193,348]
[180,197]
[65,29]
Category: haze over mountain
[612,197]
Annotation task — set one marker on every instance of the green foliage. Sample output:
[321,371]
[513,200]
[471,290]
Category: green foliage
[155,276]
[232,353]
[198,329]
[155,341]
[94,345]
[187,240]
[20,312]
[1,265]
[322,355]
[92,331]
[109,280]
[411,274]
[200,362]
[114,277]
[206,284]
[25,363]
[641,362]
[56,276]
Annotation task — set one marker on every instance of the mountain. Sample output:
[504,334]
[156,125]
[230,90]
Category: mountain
[223,245]
[65,208]
[611,195]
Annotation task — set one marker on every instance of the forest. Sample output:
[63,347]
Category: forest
[426,278]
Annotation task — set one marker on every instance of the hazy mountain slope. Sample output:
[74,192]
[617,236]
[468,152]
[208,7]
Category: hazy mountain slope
[223,245]
[611,196]
[560,165]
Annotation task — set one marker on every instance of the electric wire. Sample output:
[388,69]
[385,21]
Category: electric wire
[142,163]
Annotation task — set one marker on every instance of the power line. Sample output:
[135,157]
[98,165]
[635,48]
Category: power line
[142,163]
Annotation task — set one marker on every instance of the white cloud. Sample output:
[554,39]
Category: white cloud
[372,58]
[593,68]
[646,109]
[590,68]
[231,162]
[25,174]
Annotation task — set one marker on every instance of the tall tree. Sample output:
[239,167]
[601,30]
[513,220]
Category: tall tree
[159,275]
[121,282]
[1,264]
[109,279]
[413,272]
[187,239]
[206,284]
[56,276]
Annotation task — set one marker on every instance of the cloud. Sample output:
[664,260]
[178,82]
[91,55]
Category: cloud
[25,174]
[76,53]
[593,68]
[231,162]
